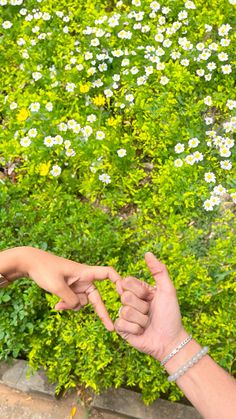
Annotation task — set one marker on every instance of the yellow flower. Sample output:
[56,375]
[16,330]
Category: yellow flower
[99,100]
[84,88]
[22,115]
[113,122]
[44,169]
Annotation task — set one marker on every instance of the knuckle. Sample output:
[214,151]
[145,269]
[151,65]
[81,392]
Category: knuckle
[137,329]
[127,311]
[127,297]
[129,280]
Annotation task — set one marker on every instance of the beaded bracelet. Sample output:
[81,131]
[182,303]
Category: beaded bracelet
[176,350]
[194,360]
[3,281]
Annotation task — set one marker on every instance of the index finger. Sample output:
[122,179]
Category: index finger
[99,273]
[98,305]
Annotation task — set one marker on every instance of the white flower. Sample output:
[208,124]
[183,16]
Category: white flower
[32,132]
[211,66]
[213,46]
[219,190]
[70,152]
[208,205]
[88,56]
[205,55]
[13,105]
[175,55]
[7,24]
[225,152]
[25,142]
[121,152]
[108,92]
[224,29]
[116,77]
[215,200]
[193,142]
[167,43]
[125,62]
[100,135]
[34,107]
[231,104]
[159,37]
[94,42]
[79,67]
[105,178]
[226,165]
[134,70]
[76,129]
[155,6]
[164,80]
[102,67]
[209,121]
[56,170]
[136,3]
[91,118]
[225,42]
[70,87]
[190,5]
[37,75]
[160,66]
[178,163]
[87,131]
[141,80]
[113,21]
[200,46]
[3,2]
[226,69]
[58,139]
[46,16]
[20,42]
[190,159]
[71,124]
[198,156]
[209,177]
[67,144]
[49,106]
[223,56]
[62,126]
[182,15]
[184,62]
[124,34]
[129,97]
[208,28]
[208,101]
[179,148]
[49,141]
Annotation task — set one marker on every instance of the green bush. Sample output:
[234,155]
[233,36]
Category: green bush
[108,200]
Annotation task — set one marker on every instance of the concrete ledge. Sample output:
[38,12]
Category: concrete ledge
[16,375]
[129,404]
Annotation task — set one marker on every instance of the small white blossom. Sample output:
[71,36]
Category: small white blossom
[226,165]
[121,152]
[219,190]
[208,101]
[193,142]
[178,163]
[100,135]
[105,178]
[231,104]
[208,205]
[56,170]
[49,106]
[179,148]
[164,80]
[25,142]
[34,107]
[7,24]
[210,177]
[37,75]
[226,69]
[32,132]
[13,105]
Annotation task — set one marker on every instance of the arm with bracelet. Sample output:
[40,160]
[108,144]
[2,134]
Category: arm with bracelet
[151,322]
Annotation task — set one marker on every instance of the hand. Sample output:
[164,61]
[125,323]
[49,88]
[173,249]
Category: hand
[150,319]
[71,281]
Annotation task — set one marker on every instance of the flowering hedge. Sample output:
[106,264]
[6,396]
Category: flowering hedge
[127,111]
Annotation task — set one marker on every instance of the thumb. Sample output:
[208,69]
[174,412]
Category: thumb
[159,272]
[70,299]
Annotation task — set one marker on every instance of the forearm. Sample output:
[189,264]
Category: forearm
[12,263]
[209,388]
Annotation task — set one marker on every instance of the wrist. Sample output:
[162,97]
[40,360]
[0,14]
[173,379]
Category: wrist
[12,263]
[171,344]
